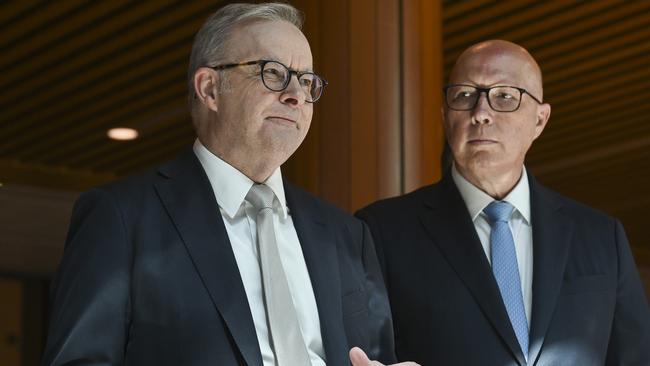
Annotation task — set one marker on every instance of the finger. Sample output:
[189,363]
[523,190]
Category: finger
[358,357]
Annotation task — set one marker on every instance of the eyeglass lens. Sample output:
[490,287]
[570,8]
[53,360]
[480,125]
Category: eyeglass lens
[277,77]
[500,98]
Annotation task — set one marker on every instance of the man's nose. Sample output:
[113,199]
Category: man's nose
[294,94]
[482,112]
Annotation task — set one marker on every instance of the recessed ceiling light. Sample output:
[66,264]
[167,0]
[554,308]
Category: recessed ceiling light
[122,133]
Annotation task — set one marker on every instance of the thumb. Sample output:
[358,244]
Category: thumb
[359,358]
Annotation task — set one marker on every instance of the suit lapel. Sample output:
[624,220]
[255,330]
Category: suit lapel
[552,232]
[445,218]
[318,244]
[188,198]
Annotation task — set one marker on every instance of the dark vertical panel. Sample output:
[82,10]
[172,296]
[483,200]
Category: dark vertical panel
[334,41]
[11,337]
[33,322]
[363,100]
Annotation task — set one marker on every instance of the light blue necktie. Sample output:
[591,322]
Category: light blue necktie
[506,270]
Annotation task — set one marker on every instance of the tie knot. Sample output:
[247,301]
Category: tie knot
[498,211]
[260,196]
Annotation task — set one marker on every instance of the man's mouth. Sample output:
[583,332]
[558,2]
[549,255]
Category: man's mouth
[481,141]
[282,119]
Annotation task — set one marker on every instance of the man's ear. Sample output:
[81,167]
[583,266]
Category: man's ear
[543,114]
[206,81]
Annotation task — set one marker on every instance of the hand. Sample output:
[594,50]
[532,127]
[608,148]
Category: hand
[359,358]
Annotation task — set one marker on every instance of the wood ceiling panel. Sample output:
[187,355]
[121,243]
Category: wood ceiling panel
[606,89]
[66,56]
[593,134]
[110,92]
[39,19]
[153,68]
[12,10]
[479,18]
[612,160]
[557,89]
[101,157]
[89,136]
[81,119]
[630,43]
[95,74]
[546,29]
[106,20]
[605,57]
[574,119]
[136,112]
[583,22]
[561,38]
[454,8]
[500,23]
[24,48]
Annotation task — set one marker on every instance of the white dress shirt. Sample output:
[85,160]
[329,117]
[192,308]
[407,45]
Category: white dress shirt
[520,225]
[230,188]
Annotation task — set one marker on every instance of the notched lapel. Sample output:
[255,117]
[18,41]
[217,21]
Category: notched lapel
[187,196]
[318,242]
[446,220]
[552,233]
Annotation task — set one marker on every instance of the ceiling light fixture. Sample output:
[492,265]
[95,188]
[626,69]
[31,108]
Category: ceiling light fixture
[122,134]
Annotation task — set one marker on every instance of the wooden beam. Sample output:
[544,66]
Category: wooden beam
[62,178]
[422,92]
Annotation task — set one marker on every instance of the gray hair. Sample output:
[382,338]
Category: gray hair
[211,40]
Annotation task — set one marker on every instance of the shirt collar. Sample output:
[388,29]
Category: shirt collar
[231,186]
[476,200]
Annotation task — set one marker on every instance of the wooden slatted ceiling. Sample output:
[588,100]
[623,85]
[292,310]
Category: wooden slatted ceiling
[595,56]
[69,70]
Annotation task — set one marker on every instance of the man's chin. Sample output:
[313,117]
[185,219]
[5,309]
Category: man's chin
[481,164]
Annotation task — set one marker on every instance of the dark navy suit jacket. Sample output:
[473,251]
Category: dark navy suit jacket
[588,303]
[148,277]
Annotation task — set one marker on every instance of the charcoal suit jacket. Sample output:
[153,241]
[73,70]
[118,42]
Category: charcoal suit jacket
[588,305]
[148,277]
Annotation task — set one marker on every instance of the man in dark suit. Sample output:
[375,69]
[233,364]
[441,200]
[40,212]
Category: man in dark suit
[489,267]
[213,259]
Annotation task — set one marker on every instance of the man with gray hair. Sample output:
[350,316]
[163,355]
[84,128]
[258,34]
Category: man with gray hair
[214,259]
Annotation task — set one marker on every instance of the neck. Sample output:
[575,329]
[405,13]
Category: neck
[257,170]
[496,186]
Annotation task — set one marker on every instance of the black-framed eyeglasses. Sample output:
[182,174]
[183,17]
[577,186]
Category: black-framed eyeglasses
[501,98]
[276,77]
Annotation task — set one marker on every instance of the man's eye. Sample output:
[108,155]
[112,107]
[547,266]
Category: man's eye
[463,95]
[274,73]
[505,96]
[306,82]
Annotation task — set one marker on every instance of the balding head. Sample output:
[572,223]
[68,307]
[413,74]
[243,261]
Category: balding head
[489,140]
[501,59]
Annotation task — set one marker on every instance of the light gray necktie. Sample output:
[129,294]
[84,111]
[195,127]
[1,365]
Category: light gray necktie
[286,337]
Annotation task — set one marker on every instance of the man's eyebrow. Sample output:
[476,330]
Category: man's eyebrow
[272,58]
